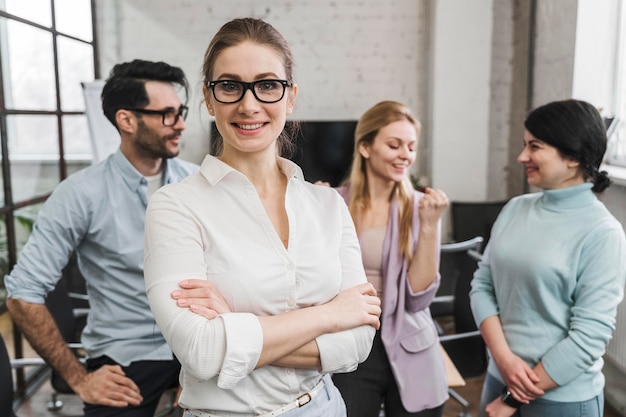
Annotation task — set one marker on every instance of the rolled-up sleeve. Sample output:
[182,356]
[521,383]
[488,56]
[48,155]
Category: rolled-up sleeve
[343,351]
[59,226]
[174,252]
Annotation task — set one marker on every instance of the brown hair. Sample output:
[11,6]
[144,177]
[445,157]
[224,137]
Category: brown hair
[258,31]
[370,123]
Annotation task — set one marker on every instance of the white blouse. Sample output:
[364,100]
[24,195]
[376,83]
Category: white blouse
[213,225]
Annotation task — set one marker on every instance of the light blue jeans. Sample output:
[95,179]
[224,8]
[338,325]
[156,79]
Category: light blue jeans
[594,407]
[328,403]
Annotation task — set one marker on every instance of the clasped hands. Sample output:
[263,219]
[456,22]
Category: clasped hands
[521,381]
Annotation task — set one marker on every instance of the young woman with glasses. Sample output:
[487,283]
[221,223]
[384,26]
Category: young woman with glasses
[399,233]
[274,294]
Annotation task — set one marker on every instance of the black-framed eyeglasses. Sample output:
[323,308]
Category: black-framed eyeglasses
[266,91]
[169,116]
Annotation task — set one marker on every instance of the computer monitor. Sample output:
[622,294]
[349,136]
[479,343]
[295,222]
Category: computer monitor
[323,149]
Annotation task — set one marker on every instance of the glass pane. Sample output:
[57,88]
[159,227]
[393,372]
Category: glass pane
[2,202]
[4,260]
[75,66]
[73,17]
[37,11]
[34,154]
[24,221]
[29,71]
[76,137]
[32,136]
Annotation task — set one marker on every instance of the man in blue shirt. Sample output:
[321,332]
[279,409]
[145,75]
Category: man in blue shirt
[99,214]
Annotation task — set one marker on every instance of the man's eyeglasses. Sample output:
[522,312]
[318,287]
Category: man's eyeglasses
[266,91]
[170,116]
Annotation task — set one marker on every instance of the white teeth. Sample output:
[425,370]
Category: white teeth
[250,127]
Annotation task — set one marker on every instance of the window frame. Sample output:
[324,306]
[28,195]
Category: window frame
[9,207]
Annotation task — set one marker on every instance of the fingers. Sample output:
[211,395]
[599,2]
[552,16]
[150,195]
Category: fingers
[366,289]
[523,384]
[109,386]
[432,205]
[434,198]
[178,392]
[201,297]
[207,313]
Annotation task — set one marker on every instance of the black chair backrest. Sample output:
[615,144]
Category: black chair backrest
[452,263]
[471,219]
[6,382]
[469,354]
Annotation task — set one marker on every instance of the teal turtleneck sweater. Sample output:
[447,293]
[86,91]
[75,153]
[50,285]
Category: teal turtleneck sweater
[554,271]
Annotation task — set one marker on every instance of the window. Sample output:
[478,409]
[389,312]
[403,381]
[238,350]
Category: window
[599,73]
[47,48]
[616,152]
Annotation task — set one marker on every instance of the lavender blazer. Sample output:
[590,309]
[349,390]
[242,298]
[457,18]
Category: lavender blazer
[408,331]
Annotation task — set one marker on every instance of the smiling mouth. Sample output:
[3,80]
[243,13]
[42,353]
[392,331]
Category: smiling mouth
[249,127]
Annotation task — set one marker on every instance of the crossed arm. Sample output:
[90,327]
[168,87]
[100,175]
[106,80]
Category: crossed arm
[286,340]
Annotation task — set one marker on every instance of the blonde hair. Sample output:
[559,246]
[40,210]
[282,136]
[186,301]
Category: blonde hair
[374,119]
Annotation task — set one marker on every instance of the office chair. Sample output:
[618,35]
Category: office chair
[450,269]
[465,346]
[471,219]
[7,366]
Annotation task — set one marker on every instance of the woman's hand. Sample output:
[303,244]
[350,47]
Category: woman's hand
[201,297]
[432,205]
[497,408]
[519,378]
[354,307]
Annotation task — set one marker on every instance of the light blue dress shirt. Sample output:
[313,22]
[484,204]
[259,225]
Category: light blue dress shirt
[99,212]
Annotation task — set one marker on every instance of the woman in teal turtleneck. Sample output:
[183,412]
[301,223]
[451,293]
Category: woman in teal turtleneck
[545,294]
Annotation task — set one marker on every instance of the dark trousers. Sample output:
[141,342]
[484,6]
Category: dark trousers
[373,385]
[152,377]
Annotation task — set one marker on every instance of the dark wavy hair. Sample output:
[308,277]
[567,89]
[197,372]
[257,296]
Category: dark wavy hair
[576,129]
[125,87]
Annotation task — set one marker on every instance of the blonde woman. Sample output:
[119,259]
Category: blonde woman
[399,234]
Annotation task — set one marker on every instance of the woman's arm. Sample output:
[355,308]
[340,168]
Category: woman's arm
[523,382]
[174,249]
[424,264]
[201,297]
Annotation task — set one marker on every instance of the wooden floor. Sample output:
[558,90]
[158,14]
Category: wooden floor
[72,406]
[37,405]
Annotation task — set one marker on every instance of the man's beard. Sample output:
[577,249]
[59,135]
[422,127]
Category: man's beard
[151,144]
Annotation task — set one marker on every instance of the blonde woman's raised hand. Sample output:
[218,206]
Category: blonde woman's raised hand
[432,205]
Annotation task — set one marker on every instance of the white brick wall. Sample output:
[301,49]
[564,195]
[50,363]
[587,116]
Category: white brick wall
[348,54]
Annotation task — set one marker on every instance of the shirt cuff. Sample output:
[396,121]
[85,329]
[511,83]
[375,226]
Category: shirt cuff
[343,351]
[244,343]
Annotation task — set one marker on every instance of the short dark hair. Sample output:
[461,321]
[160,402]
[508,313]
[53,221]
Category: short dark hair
[577,130]
[125,87]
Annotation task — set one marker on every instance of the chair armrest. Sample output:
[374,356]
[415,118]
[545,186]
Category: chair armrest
[458,336]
